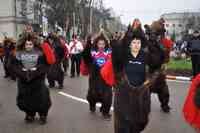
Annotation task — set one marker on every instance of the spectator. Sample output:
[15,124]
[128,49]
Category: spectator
[194,48]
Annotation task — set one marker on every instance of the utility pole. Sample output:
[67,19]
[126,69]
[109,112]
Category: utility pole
[15,7]
[41,15]
[91,14]
[74,19]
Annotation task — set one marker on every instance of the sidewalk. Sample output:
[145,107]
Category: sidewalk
[182,78]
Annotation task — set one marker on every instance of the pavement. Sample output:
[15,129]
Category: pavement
[70,112]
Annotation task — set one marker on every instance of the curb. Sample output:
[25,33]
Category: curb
[178,78]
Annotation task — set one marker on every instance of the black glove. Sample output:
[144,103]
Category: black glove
[31,74]
[144,87]
[119,85]
[197,98]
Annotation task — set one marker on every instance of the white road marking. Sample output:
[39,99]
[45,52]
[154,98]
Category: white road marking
[98,104]
[79,99]
[178,81]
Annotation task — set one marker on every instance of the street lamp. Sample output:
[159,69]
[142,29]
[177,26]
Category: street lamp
[120,25]
[41,9]
[174,33]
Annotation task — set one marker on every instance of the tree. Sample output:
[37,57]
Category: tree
[88,13]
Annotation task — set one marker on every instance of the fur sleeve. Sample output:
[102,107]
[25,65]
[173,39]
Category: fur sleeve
[153,70]
[42,69]
[119,55]
[16,68]
[49,54]
[86,55]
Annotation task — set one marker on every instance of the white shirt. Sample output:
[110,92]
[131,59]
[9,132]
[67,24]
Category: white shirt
[77,48]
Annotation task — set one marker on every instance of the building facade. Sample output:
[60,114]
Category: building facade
[178,24]
[15,15]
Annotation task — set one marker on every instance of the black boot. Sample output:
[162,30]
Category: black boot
[52,84]
[92,109]
[107,116]
[6,76]
[29,119]
[60,87]
[43,120]
[166,108]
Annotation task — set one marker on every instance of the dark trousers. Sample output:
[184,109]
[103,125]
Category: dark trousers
[75,63]
[195,64]
[7,74]
[160,87]
[55,74]
[7,71]
[65,64]
[1,58]
[99,92]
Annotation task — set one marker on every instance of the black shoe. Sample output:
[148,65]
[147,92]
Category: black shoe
[107,116]
[51,86]
[65,74]
[92,109]
[29,119]
[60,87]
[6,76]
[43,120]
[101,109]
[13,78]
[72,76]
[166,109]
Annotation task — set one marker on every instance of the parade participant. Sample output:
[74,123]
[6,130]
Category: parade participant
[132,80]
[191,108]
[1,52]
[155,34]
[75,53]
[30,67]
[65,62]
[95,56]
[167,45]
[56,72]
[9,50]
[48,51]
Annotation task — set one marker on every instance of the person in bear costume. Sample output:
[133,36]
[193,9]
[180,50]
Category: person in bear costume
[56,72]
[30,67]
[132,61]
[9,50]
[95,56]
[155,34]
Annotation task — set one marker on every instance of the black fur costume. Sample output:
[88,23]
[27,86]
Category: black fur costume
[33,95]
[56,72]
[98,90]
[9,50]
[160,87]
[132,103]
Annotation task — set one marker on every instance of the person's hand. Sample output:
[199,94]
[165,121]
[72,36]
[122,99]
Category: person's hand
[33,69]
[24,69]
[147,83]
[119,85]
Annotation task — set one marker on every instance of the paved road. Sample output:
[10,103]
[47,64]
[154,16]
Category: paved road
[71,115]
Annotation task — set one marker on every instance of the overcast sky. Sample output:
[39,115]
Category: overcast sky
[149,10]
